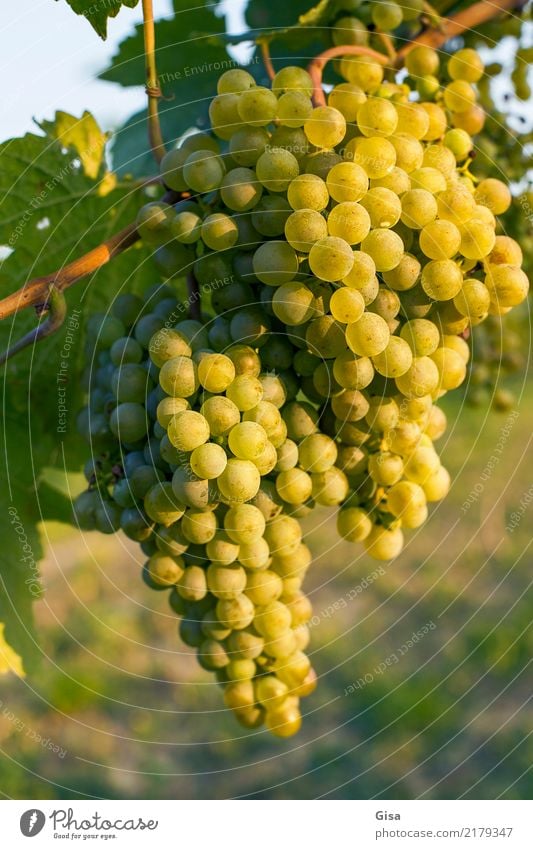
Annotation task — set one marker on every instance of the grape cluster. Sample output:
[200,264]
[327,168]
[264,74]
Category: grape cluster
[343,253]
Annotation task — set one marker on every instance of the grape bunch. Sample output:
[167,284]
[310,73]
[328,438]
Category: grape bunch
[340,255]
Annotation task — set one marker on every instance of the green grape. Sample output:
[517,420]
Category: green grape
[353,372]
[166,344]
[330,487]
[276,168]
[224,115]
[257,106]
[317,453]
[395,359]
[219,231]
[421,464]
[240,190]
[305,227]
[168,407]
[507,285]
[442,280]
[247,145]
[325,337]
[331,259]
[377,117]
[320,162]
[245,645]
[141,480]
[473,300]
[437,486]
[307,191]
[165,570]
[347,98]
[325,127]
[383,413]
[294,486]
[362,71]
[161,504]
[239,481]
[208,461]
[385,247]
[247,440]
[270,215]
[451,367]
[409,152]
[130,382]
[397,180]
[286,456]
[222,550]
[226,581]
[384,543]
[199,527]
[477,240]
[459,96]
[195,334]
[349,30]
[429,179]
[171,169]
[505,251]
[385,468]
[363,276]
[368,336]
[188,430]
[245,392]
[272,620]
[437,121]
[440,240]
[349,221]
[192,585]
[413,120]
[405,275]
[245,360]
[422,60]
[375,155]
[353,524]
[267,460]
[459,142]
[216,372]
[265,414]
[250,325]
[293,303]
[419,208]
[466,65]
[235,81]
[347,305]
[153,224]
[456,205]
[203,171]
[293,109]
[292,78]
[236,613]
[200,141]
[349,405]
[422,336]
[128,422]
[127,308]
[471,120]
[221,415]
[291,138]
[383,207]
[263,587]
[387,15]
[420,379]
[283,536]
[254,555]
[212,655]
[179,377]
[439,157]
[275,263]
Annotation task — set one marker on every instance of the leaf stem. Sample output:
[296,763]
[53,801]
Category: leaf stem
[264,46]
[153,89]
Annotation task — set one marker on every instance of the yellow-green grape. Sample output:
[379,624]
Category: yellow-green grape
[353,372]
[347,181]
[421,464]
[305,227]
[386,304]
[363,71]
[330,487]
[363,276]
[385,247]
[459,96]
[437,121]
[385,468]
[451,367]
[317,453]
[186,227]
[283,535]
[292,78]
[164,570]
[429,179]
[331,259]
[293,303]
[477,240]
[284,720]
[271,692]
[226,581]
[235,81]
[307,191]
[247,145]
[245,645]
[349,221]
[437,486]
[216,372]
[199,526]
[395,359]
[493,194]
[293,109]
[383,414]
[276,168]
[263,587]
[412,119]
[325,127]
[483,213]
[384,543]
[221,415]
[203,171]
[221,550]
[254,555]
[270,215]
[409,152]
[473,300]
[244,524]
[403,437]
[239,481]
[294,486]
[287,456]
[507,285]
[440,239]
[383,207]
[459,142]
[457,343]
[245,360]
[179,377]
[257,106]
[239,695]
[353,524]
[404,497]
[200,141]
[368,336]
[171,169]
[240,191]
[347,98]
[187,430]
[212,655]
[236,613]
[438,156]
[291,138]
[275,263]
[472,120]
[240,670]
[325,337]
[377,117]
[505,251]
[245,391]
[350,405]
[419,208]
[375,155]
[405,275]
[247,440]
[168,407]
[387,15]
[192,585]
[397,180]
[219,231]
[208,461]
[266,414]
[347,305]
[456,204]
[422,336]
[466,64]
[272,620]
[349,30]
[422,60]
[442,280]
[436,424]
[267,460]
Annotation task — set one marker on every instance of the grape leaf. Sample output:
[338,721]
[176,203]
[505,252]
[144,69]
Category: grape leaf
[189,62]
[56,202]
[97,12]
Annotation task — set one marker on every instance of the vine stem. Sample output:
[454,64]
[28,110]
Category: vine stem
[264,47]
[317,65]
[153,89]
[57,311]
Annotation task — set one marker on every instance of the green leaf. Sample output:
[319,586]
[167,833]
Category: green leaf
[275,14]
[190,58]
[97,12]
